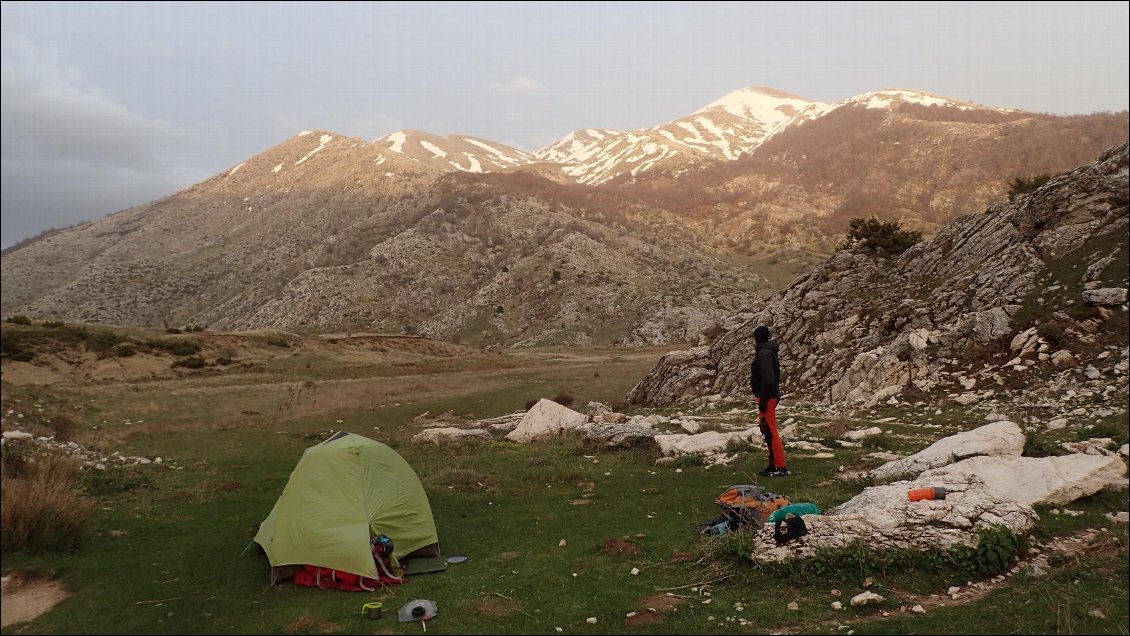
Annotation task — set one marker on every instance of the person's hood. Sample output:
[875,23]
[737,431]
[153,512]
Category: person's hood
[768,344]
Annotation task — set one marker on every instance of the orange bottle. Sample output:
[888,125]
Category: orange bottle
[920,494]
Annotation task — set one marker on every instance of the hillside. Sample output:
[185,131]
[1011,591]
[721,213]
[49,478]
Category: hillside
[653,236]
[1028,293]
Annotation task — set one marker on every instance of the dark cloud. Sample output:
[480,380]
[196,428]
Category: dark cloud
[70,154]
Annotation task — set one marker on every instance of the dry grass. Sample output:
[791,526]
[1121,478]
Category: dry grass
[42,507]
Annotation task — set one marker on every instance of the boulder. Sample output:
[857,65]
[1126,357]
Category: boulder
[1001,438]
[545,419]
[449,434]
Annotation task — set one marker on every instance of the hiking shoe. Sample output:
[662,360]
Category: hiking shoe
[779,472]
[767,472]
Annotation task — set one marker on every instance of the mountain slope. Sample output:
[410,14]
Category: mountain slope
[725,129]
[902,155]
[457,237]
[324,233]
[989,294]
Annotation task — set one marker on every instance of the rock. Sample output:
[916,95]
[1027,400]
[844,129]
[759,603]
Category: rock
[836,605]
[448,435]
[1057,423]
[1118,517]
[619,435]
[1092,373]
[855,436]
[546,419]
[591,620]
[1031,480]
[866,598]
[635,571]
[702,443]
[1064,359]
[562,543]
[1105,296]
[1002,438]
[793,607]
[953,590]
[918,609]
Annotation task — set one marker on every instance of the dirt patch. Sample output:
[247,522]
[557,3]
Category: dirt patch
[24,601]
[492,605]
[508,555]
[307,623]
[654,609]
[613,547]
[580,502]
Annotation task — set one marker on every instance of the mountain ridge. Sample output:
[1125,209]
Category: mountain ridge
[330,232]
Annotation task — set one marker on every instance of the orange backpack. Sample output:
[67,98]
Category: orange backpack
[744,504]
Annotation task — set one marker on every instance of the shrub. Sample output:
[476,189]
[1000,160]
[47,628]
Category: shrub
[564,399]
[1041,444]
[882,238]
[64,428]
[19,320]
[124,350]
[177,347]
[15,346]
[44,509]
[1020,185]
[194,362]
[102,340]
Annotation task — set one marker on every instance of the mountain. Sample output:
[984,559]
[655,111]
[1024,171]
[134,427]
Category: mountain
[903,155]
[651,236]
[453,152]
[725,129]
[1017,295]
[330,233]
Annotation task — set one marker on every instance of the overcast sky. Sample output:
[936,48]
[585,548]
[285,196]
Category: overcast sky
[109,105]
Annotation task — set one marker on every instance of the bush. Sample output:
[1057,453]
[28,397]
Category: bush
[882,238]
[564,399]
[19,320]
[177,347]
[195,362]
[64,428]
[43,509]
[1020,185]
[15,346]
[103,340]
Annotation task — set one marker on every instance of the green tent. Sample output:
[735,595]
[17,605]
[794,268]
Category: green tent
[343,492]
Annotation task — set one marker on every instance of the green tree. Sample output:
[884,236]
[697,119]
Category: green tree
[881,238]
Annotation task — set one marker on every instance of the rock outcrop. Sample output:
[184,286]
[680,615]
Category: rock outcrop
[861,329]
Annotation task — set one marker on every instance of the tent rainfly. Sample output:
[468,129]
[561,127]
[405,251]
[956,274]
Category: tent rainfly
[341,493]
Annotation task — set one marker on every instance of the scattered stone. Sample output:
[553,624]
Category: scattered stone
[918,609]
[866,598]
[793,607]
[1118,517]
[836,605]
[591,620]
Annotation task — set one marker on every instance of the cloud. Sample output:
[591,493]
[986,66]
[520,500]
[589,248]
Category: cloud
[520,84]
[70,153]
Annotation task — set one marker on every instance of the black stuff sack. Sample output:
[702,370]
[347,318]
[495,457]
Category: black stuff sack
[789,528]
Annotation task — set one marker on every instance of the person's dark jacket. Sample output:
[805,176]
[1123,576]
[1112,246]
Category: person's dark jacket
[765,371]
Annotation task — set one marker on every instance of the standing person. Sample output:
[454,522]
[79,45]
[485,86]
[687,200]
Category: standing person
[765,380]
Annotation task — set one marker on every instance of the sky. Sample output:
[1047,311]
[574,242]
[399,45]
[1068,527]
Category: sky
[109,105]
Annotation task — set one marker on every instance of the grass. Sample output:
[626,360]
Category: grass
[166,552]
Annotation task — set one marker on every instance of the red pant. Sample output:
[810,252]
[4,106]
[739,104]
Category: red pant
[767,414]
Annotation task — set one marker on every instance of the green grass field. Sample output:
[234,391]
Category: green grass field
[552,530]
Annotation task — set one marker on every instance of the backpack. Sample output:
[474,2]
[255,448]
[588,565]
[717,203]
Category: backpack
[745,504]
